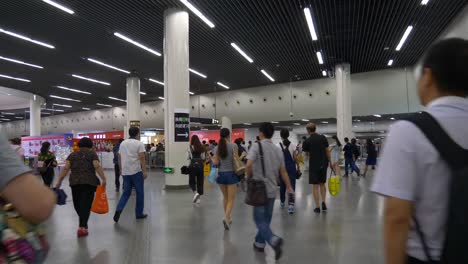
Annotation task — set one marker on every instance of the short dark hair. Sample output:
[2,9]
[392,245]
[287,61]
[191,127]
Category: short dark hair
[311,127]
[346,139]
[448,61]
[267,129]
[85,143]
[133,131]
[16,141]
[284,133]
[353,141]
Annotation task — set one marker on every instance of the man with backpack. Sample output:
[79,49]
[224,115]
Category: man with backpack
[424,167]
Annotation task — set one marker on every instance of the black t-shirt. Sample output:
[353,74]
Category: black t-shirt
[316,146]
[348,151]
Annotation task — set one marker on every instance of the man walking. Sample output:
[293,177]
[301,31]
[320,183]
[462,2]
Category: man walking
[133,169]
[319,156]
[115,150]
[350,152]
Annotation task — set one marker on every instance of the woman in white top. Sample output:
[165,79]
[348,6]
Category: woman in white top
[336,156]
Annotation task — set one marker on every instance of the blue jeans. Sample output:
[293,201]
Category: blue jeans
[262,217]
[283,190]
[130,182]
[349,162]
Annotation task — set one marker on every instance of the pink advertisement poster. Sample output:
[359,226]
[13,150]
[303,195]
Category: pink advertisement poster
[32,145]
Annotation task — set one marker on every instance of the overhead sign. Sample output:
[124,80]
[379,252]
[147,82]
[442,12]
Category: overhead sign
[181,125]
[135,123]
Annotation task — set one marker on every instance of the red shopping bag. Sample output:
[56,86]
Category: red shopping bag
[100,204]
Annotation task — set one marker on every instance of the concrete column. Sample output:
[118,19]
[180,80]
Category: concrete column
[226,123]
[133,99]
[35,116]
[176,91]
[344,115]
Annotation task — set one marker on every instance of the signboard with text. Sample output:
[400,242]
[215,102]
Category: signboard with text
[181,125]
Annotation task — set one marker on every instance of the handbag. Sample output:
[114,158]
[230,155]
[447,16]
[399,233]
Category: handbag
[213,174]
[333,183]
[239,168]
[256,189]
[100,204]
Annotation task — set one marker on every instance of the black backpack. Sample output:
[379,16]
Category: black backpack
[456,238]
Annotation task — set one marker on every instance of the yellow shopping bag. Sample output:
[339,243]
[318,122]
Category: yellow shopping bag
[333,183]
[206,169]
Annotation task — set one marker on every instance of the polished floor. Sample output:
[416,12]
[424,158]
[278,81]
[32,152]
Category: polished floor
[179,232]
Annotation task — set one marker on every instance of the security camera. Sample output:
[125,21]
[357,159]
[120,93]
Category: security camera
[291,114]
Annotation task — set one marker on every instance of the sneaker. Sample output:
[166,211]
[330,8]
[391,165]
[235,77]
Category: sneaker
[278,248]
[117,216]
[196,197]
[291,209]
[226,225]
[82,232]
[282,205]
[317,210]
[258,249]
[324,207]
[143,216]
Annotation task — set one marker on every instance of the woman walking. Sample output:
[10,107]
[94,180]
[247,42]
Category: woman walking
[83,181]
[336,156]
[227,179]
[290,160]
[197,157]
[46,164]
[371,156]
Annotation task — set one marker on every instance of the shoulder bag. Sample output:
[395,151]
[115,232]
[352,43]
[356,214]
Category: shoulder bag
[256,189]
[239,168]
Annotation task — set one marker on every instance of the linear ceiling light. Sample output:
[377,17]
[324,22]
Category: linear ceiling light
[72,90]
[267,75]
[64,98]
[14,78]
[59,6]
[274,122]
[18,117]
[403,39]
[45,113]
[142,93]
[392,118]
[319,57]
[86,108]
[424,2]
[310,23]
[324,73]
[61,105]
[198,13]
[116,99]
[390,63]
[106,105]
[305,120]
[108,66]
[55,110]
[136,44]
[247,57]
[191,93]
[5,119]
[324,122]
[21,62]
[296,124]
[156,81]
[26,38]
[377,115]
[89,79]
[197,73]
[222,84]
[160,97]
[248,124]
[7,113]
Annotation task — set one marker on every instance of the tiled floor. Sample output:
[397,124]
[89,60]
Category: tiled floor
[178,232]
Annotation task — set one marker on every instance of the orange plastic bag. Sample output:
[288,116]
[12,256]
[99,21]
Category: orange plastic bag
[100,204]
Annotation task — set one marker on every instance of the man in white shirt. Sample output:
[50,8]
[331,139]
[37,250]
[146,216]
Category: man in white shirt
[412,175]
[133,169]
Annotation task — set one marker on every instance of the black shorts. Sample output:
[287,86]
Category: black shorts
[317,176]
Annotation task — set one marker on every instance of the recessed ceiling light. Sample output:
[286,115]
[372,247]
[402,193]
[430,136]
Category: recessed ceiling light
[106,105]
[89,79]
[86,108]
[142,93]
[377,115]
[319,57]
[403,39]
[26,38]
[267,75]
[116,99]
[424,2]
[390,63]
[61,105]
[55,110]
[108,66]
[324,73]
[64,98]
[156,81]
[136,43]
[247,124]
[305,120]
[72,90]
[21,62]
[392,118]
[247,57]
[59,6]
[357,120]
[197,73]
[14,78]
[274,122]
[310,23]
[160,97]
[222,84]
[198,13]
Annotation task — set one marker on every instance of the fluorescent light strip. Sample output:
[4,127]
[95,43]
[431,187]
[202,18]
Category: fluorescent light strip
[319,57]
[324,73]
[64,98]
[222,84]
[136,43]
[89,79]
[59,6]
[305,120]
[274,122]
[247,124]
[14,78]
[72,90]
[324,122]
[26,38]
[198,13]
[377,115]
[86,108]
[61,105]
[17,117]
[390,63]
[191,93]
[156,81]
[142,93]
[55,110]
[160,97]
[45,113]
[116,99]
[5,119]
[21,62]
[392,118]
[106,105]
[247,57]
[198,73]
[108,66]
[403,39]
[424,2]
[267,75]
[296,124]
[7,113]
[310,23]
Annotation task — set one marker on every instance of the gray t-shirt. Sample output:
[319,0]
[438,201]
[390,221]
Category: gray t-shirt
[10,164]
[273,158]
[226,164]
